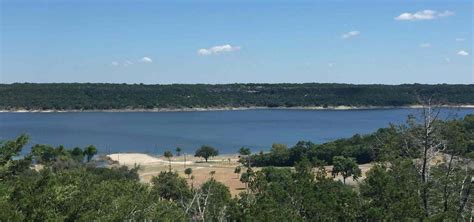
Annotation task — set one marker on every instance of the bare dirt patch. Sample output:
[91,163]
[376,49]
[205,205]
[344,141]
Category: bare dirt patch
[223,167]
[150,166]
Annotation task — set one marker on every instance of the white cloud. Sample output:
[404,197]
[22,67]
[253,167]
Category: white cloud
[425,45]
[204,52]
[423,15]
[460,39]
[146,60]
[463,53]
[447,59]
[126,63]
[350,34]
[330,65]
[218,49]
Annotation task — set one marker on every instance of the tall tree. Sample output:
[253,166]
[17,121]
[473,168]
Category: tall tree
[391,192]
[188,172]
[245,153]
[10,149]
[77,154]
[213,199]
[237,171]
[44,154]
[90,151]
[170,186]
[423,141]
[178,151]
[455,146]
[168,156]
[280,154]
[206,152]
[346,167]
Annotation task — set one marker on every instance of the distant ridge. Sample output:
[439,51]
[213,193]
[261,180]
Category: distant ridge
[101,96]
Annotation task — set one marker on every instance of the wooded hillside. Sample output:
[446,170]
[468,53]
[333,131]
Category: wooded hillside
[87,96]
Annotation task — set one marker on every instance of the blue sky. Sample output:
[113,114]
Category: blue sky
[162,42]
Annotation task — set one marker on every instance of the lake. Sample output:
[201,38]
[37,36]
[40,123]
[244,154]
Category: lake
[154,132]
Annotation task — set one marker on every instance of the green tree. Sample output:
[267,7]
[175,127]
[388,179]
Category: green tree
[178,151]
[90,151]
[44,154]
[168,156]
[456,144]
[77,154]
[170,186]
[57,157]
[237,170]
[206,152]
[188,172]
[215,198]
[346,167]
[9,165]
[391,193]
[245,151]
[246,178]
[468,123]
[423,139]
[279,154]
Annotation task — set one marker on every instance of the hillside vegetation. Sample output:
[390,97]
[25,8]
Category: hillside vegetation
[87,96]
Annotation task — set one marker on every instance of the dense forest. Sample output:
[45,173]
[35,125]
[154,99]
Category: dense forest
[422,170]
[88,96]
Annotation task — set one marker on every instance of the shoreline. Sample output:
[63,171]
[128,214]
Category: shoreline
[149,159]
[157,110]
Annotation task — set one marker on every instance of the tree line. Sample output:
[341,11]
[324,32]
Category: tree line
[421,172]
[361,148]
[91,96]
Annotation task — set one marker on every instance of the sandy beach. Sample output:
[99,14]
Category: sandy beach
[151,166]
[222,165]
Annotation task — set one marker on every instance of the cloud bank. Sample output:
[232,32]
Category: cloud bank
[218,50]
[423,15]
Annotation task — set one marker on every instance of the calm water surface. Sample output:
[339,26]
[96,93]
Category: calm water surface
[225,130]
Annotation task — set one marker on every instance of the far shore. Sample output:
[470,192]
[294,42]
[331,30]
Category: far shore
[470,106]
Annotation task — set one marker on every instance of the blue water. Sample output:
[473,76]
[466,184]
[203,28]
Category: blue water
[225,130]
